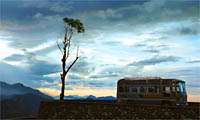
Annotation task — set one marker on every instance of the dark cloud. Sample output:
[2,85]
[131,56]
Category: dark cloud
[83,67]
[155,48]
[71,76]
[107,75]
[108,79]
[153,12]
[133,13]
[152,51]
[14,74]
[190,31]
[194,61]
[39,67]
[102,83]
[190,72]
[146,45]
[37,71]
[31,74]
[29,55]
[14,57]
[182,29]
[113,43]
[112,74]
[140,45]
[155,60]
[91,83]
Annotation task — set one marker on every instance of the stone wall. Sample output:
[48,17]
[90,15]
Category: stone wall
[91,109]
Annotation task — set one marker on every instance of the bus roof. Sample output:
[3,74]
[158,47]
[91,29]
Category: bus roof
[142,78]
[134,79]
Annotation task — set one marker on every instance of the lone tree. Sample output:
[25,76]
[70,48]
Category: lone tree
[72,26]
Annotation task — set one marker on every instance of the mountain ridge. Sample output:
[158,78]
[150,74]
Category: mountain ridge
[18,88]
[76,97]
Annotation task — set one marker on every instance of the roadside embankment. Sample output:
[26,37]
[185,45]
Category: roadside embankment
[102,109]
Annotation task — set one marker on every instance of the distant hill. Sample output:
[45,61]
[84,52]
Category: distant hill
[106,98]
[76,97]
[91,97]
[101,98]
[72,97]
[18,100]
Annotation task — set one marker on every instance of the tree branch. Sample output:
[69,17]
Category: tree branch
[59,47]
[77,51]
[71,65]
[74,61]
[71,33]
[65,38]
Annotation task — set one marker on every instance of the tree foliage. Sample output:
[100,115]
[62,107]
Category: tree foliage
[75,23]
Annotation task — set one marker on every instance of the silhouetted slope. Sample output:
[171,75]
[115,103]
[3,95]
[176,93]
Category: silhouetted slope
[20,106]
[18,100]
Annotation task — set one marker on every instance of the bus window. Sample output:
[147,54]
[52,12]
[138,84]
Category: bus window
[121,89]
[173,89]
[167,89]
[181,87]
[150,89]
[159,90]
[142,89]
[177,89]
[156,89]
[134,89]
[126,89]
[163,89]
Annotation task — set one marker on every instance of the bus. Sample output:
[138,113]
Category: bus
[154,90]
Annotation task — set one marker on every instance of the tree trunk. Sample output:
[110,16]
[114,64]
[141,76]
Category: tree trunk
[63,78]
[63,82]
[62,89]
[63,74]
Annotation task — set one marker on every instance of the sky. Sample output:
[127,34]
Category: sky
[123,38]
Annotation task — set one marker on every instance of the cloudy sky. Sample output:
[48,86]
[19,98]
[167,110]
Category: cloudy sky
[127,38]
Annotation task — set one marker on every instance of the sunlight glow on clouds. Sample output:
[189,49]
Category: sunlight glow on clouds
[6,50]
[82,91]
[42,46]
